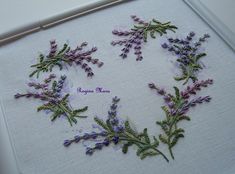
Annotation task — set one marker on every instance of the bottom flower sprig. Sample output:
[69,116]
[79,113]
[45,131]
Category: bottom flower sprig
[176,109]
[114,131]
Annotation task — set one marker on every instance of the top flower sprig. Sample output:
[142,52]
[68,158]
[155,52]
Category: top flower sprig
[189,55]
[139,34]
[64,56]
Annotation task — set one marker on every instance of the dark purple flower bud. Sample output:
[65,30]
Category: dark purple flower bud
[106,142]
[94,49]
[192,34]
[113,106]
[123,55]
[84,65]
[67,143]
[87,69]
[63,77]
[171,49]
[52,42]
[99,146]
[90,74]
[17,95]
[89,151]
[115,139]
[171,105]
[171,40]
[77,139]
[86,136]
[152,86]
[84,44]
[100,64]
[161,91]
[115,32]
[206,35]
[133,16]
[93,135]
[139,58]
[103,133]
[189,38]
[116,99]
[94,61]
[176,40]
[167,98]
[202,39]
[114,121]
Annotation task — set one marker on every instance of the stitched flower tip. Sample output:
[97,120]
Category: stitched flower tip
[67,143]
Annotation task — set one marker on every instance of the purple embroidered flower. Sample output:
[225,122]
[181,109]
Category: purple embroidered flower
[188,55]
[50,92]
[180,104]
[66,55]
[136,36]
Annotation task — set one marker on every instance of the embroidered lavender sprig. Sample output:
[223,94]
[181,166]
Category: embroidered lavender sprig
[188,55]
[135,37]
[66,55]
[114,131]
[176,107]
[50,92]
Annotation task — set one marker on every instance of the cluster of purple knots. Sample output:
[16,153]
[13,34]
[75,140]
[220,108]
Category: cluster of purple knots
[185,95]
[185,47]
[189,54]
[44,91]
[79,56]
[134,40]
[102,138]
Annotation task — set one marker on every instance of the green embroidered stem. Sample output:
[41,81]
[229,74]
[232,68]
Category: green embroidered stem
[62,108]
[154,27]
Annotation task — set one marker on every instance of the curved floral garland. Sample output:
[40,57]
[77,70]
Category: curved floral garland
[114,130]
[177,105]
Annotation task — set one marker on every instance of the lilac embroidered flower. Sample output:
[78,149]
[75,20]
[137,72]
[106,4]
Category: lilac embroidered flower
[136,36]
[188,55]
[179,104]
[176,107]
[66,55]
[115,131]
[50,92]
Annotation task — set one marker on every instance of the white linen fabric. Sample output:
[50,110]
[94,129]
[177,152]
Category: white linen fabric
[208,147]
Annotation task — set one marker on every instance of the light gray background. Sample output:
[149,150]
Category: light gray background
[219,15]
[209,144]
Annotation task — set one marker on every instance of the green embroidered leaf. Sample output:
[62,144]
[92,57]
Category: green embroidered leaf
[175,139]
[146,137]
[101,123]
[125,147]
[129,129]
[163,139]
[183,117]
[148,154]
[177,92]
